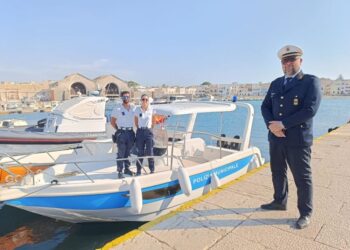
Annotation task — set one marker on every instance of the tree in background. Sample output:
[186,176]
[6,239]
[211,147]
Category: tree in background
[206,83]
[132,84]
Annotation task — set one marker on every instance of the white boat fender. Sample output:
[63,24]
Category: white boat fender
[215,181]
[184,181]
[136,196]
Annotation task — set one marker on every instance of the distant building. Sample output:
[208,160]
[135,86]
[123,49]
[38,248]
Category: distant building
[260,89]
[111,86]
[75,84]
[340,87]
[20,92]
[67,88]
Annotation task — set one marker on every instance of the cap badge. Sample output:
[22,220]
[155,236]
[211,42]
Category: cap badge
[296,101]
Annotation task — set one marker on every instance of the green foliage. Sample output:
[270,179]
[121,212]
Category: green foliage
[132,84]
[206,83]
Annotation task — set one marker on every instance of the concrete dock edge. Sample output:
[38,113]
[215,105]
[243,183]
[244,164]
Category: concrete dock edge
[342,132]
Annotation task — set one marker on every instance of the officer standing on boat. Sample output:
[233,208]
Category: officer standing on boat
[144,122]
[122,119]
[288,110]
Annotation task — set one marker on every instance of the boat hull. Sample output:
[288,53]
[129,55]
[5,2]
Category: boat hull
[106,206]
[22,142]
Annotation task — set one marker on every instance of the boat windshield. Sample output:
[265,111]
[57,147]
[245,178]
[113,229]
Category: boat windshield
[207,126]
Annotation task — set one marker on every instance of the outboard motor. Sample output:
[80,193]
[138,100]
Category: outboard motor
[224,144]
[41,123]
[39,127]
[235,145]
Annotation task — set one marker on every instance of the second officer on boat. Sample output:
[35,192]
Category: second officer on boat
[144,122]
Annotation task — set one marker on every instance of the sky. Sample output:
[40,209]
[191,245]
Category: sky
[179,42]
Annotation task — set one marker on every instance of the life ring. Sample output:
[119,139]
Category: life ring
[9,179]
[18,178]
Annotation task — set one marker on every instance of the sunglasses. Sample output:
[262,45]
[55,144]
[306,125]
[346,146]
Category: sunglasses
[125,97]
[144,99]
[289,59]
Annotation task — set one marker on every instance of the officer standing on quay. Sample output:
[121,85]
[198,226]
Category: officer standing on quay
[288,110]
[144,122]
[122,120]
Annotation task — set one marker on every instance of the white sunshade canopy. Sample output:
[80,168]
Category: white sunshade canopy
[184,108]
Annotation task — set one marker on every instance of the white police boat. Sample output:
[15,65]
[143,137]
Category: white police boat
[188,163]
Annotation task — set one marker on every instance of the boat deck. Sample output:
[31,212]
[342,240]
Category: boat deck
[88,168]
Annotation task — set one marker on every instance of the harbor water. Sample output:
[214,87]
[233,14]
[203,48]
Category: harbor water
[24,230]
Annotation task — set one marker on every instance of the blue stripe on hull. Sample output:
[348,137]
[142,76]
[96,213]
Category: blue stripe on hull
[81,202]
[120,199]
[203,179]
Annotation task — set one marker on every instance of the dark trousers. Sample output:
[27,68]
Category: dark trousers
[298,160]
[144,144]
[125,141]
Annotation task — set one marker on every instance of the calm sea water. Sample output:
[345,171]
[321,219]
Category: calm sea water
[24,230]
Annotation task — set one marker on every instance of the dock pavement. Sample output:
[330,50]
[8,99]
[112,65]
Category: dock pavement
[230,216]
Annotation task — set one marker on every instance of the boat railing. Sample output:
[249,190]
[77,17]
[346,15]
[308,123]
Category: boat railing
[77,164]
[134,159]
[10,159]
[13,161]
[218,138]
[4,166]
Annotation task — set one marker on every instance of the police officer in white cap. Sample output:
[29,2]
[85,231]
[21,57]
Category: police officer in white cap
[288,110]
[122,119]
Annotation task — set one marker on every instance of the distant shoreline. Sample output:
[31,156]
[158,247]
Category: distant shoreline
[336,96]
[260,98]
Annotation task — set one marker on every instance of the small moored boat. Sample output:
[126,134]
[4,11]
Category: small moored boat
[71,122]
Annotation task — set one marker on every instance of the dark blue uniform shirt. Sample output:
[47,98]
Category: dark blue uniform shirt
[295,105]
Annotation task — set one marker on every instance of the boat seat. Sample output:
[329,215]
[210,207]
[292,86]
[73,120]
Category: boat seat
[194,147]
[159,151]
